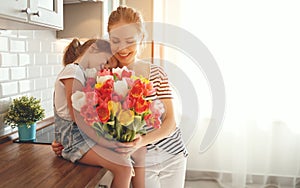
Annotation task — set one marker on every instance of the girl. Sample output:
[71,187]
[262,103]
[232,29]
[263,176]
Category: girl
[78,147]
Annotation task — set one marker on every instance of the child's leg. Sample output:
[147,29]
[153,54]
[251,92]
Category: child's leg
[119,166]
[138,181]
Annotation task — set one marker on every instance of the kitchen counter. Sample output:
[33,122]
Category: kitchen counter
[36,165]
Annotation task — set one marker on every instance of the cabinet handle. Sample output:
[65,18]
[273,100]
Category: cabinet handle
[36,13]
[29,12]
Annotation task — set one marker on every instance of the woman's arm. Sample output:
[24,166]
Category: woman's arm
[167,127]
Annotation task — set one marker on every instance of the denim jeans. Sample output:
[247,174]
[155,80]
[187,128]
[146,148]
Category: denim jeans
[75,142]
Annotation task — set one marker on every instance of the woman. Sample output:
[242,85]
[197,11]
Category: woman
[166,153]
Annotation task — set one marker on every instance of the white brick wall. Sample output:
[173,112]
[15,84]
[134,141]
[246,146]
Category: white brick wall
[29,63]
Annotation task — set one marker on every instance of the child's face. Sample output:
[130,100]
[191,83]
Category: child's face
[98,60]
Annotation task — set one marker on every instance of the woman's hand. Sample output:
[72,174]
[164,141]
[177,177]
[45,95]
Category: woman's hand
[127,148]
[57,148]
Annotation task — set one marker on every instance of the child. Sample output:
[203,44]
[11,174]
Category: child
[78,147]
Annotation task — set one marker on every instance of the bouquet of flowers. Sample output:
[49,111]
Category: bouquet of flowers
[114,102]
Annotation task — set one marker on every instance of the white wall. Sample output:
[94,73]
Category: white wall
[29,63]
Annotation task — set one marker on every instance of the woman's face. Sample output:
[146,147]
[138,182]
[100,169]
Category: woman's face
[124,41]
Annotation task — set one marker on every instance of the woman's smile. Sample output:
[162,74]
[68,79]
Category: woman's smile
[124,55]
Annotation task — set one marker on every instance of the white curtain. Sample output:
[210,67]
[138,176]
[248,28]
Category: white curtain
[256,44]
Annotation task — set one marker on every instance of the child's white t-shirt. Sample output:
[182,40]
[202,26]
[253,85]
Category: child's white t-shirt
[60,100]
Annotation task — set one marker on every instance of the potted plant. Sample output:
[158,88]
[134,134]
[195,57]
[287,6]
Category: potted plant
[23,113]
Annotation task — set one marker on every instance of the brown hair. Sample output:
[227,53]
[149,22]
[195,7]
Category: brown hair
[75,49]
[128,15]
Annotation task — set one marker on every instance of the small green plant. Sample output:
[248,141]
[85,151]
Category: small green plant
[24,110]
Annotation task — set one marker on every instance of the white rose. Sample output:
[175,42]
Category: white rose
[78,100]
[102,79]
[91,73]
[121,87]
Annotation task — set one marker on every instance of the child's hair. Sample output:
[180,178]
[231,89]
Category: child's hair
[75,49]
[102,46]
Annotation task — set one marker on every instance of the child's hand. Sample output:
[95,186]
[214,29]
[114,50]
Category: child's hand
[57,148]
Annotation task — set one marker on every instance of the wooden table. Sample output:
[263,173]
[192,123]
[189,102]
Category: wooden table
[35,165]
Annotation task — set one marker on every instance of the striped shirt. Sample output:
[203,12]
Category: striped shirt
[172,144]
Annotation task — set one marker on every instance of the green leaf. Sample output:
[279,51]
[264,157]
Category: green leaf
[24,110]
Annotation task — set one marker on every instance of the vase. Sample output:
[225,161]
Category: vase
[27,134]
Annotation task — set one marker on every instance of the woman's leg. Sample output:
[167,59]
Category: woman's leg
[118,165]
[173,172]
[164,170]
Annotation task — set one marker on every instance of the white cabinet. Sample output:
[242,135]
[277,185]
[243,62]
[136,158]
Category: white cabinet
[13,10]
[31,14]
[50,13]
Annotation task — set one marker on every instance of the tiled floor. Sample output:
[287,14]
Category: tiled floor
[201,184]
[106,180]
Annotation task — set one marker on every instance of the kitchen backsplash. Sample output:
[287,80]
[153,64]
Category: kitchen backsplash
[29,63]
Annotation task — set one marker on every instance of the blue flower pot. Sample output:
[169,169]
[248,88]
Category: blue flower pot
[27,134]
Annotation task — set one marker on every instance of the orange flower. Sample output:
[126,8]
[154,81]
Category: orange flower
[141,105]
[137,89]
[103,112]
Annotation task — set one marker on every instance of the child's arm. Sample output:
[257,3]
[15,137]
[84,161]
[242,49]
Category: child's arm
[70,86]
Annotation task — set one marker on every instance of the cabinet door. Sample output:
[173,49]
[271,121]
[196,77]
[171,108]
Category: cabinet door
[47,13]
[92,15]
[12,9]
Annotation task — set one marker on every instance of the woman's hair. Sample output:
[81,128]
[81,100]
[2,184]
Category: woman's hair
[75,49]
[128,15]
